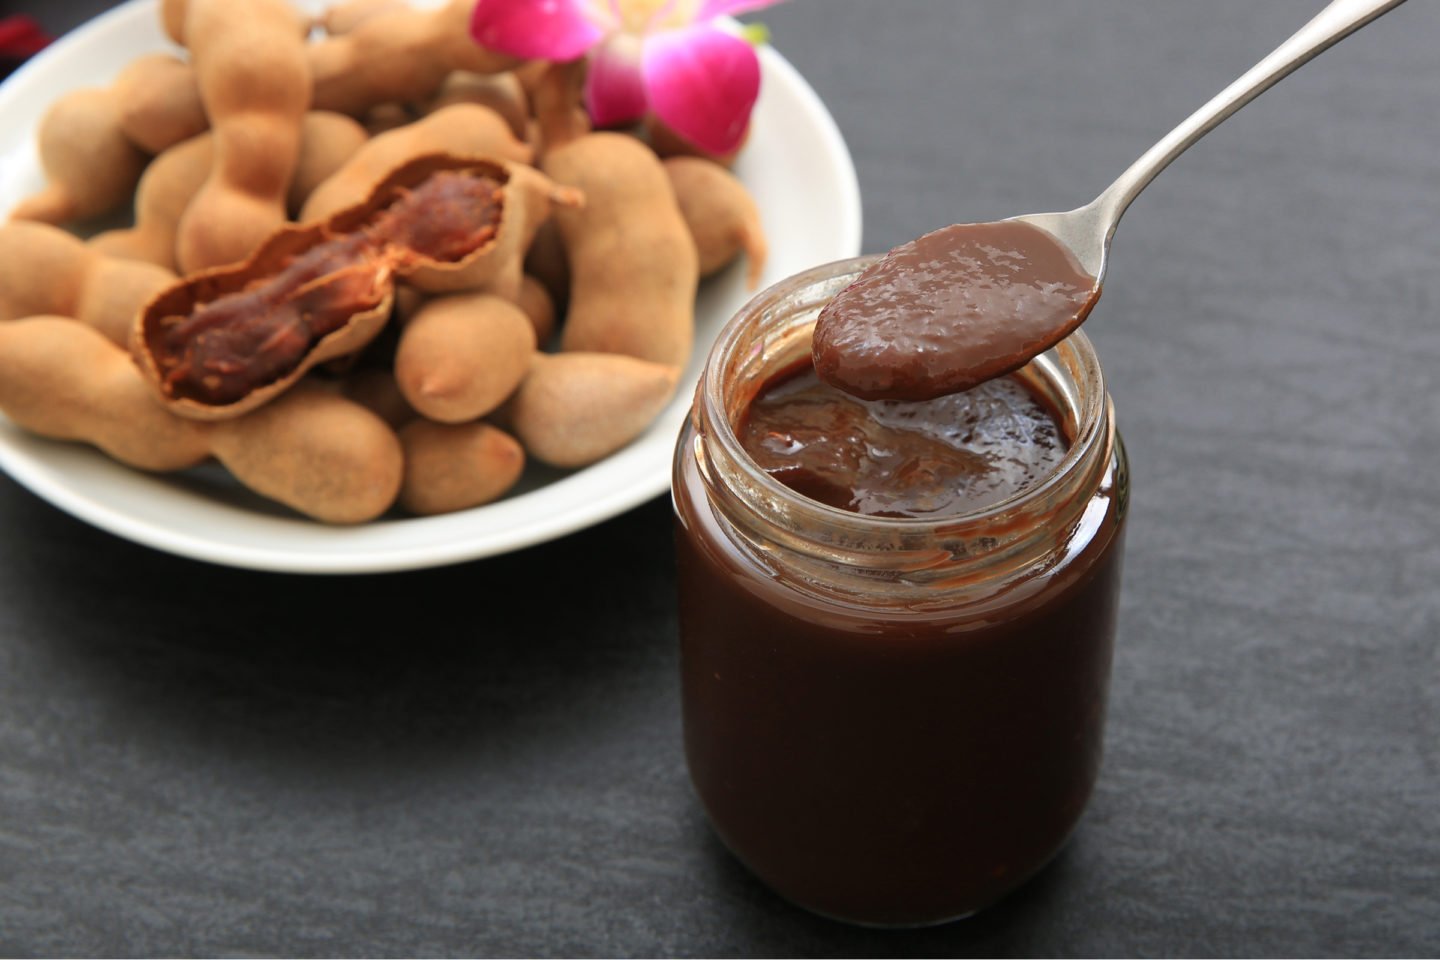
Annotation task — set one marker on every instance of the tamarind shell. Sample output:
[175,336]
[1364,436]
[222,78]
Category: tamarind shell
[474,270]
[184,297]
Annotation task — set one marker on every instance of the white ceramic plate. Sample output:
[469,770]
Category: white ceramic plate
[796,164]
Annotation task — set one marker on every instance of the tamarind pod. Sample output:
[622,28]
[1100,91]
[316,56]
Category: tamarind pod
[251,67]
[376,390]
[321,454]
[63,380]
[172,19]
[42,269]
[158,102]
[327,142]
[721,215]
[556,99]
[90,166]
[400,56]
[384,117]
[573,409]
[364,289]
[45,270]
[342,18]
[501,92]
[166,189]
[499,267]
[173,178]
[460,356]
[316,452]
[633,267]
[545,261]
[227,340]
[534,301]
[451,467]
[463,129]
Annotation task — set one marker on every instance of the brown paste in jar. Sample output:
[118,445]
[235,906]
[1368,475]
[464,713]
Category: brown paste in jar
[895,458]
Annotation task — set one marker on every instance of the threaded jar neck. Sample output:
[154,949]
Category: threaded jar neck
[909,562]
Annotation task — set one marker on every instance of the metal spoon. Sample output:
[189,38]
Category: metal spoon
[929,318]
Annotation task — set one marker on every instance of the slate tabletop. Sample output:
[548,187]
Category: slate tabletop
[485,759]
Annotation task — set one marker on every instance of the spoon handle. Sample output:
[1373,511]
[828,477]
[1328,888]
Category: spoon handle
[1331,25]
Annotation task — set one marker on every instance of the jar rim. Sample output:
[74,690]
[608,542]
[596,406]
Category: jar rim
[1089,409]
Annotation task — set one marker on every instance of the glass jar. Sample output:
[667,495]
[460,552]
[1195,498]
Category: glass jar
[892,721]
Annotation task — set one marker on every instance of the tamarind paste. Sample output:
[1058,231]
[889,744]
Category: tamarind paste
[228,347]
[896,458]
[952,309]
[896,618]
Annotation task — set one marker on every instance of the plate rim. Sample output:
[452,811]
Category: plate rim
[344,552]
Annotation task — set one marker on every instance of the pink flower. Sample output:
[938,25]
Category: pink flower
[666,56]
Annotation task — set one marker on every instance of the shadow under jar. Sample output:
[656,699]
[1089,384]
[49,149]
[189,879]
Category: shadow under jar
[892,721]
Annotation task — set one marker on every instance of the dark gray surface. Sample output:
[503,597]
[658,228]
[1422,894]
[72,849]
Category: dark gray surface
[201,761]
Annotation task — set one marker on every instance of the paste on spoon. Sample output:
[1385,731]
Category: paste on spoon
[951,310]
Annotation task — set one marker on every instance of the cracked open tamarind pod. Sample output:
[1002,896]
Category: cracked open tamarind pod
[45,270]
[464,130]
[225,341]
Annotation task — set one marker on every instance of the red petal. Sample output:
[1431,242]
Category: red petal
[536,29]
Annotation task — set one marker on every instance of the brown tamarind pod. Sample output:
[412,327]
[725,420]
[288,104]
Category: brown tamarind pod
[173,178]
[63,380]
[328,141]
[158,102]
[501,92]
[456,466]
[316,452]
[225,341]
[46,270]
[535,302]
[400,56]
[460,356]
[721,215]
[253,75]
[463,129]
[573,409]
[169,184]
[345,17]
[90,166]
[633,266]
[376,390]
[545,261]
[529,198]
